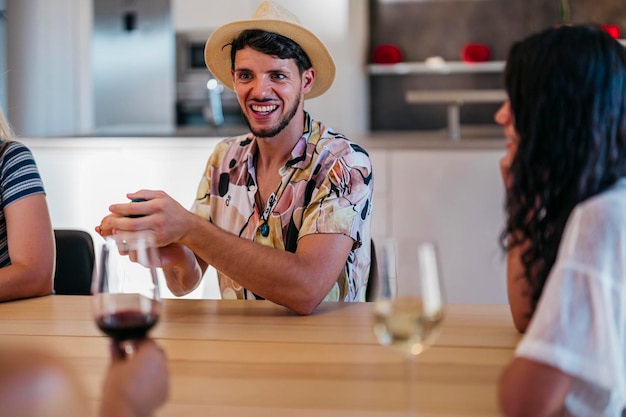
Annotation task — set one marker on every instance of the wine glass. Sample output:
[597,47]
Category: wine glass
[409,302]
[126,297]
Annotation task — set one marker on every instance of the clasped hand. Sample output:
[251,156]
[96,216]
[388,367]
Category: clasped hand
[160,216]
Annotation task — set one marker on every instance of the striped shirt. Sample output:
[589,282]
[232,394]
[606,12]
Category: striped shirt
[19,177]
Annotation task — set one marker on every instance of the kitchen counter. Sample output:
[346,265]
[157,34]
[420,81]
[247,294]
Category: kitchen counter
[471,138]
[143,131]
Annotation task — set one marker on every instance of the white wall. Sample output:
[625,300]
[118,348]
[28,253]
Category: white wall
[82,177]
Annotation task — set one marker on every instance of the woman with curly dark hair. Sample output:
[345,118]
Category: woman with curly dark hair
[565,232]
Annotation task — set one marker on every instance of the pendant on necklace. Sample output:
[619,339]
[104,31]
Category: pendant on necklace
[265,230]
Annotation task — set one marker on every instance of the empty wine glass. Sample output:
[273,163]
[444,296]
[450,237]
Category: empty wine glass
[126,298]
[409,303]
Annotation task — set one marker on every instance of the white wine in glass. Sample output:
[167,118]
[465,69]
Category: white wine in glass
[409,303]
[126,297]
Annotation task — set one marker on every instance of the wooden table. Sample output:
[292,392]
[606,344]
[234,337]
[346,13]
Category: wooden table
[253,358]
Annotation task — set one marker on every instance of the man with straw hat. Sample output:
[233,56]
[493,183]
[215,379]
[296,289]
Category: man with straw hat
[282,213]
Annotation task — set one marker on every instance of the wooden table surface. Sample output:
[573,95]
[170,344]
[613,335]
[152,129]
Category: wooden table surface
[254,358]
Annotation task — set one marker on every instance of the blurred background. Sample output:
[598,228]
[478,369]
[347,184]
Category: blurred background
[135,67]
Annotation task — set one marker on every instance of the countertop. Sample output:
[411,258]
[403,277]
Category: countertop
[472,138]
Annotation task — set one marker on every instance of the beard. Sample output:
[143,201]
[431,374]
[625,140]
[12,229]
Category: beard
[272,131]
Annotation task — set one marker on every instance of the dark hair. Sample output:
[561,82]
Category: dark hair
[567,90]
[270,43]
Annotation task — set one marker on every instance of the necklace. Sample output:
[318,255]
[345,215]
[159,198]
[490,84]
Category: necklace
[285,178]
[269,206]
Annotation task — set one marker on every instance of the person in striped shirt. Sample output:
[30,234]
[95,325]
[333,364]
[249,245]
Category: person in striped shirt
[27,248]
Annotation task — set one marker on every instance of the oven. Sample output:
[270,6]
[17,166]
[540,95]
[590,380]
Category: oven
[201,100]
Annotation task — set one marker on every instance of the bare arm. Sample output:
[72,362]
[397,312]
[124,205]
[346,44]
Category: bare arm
[299,280]
[529,388]
[518,289]
[31,247]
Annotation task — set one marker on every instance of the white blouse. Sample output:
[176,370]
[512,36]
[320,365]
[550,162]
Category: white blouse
[579,325]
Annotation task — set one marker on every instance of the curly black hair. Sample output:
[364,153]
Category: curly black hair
[567,90]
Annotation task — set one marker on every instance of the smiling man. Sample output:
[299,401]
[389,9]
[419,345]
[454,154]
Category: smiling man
[283,213]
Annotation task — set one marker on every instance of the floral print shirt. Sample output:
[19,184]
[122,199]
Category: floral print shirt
[326,187]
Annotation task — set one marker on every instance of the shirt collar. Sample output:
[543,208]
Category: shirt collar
[302,152]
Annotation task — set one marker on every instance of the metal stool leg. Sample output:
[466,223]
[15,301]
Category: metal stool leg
[454,120]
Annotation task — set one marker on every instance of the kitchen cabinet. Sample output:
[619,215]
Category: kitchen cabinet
[454,197]
[439,67]
[452,98]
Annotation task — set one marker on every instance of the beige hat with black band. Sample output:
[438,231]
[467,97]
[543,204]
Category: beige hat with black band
[271,17]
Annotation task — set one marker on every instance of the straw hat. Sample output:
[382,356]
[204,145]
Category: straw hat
[270,17]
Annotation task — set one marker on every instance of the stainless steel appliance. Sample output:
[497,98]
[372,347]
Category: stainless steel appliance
[201,100]
[133,62]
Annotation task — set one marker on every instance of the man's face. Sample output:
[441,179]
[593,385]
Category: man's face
[270,90]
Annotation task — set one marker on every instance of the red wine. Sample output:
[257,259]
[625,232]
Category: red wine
[125,325]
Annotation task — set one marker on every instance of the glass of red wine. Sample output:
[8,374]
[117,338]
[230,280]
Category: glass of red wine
[126,298]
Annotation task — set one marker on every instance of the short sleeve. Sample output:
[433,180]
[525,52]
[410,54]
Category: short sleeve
[20,176]
[201,205]
[578,326]
[343,201]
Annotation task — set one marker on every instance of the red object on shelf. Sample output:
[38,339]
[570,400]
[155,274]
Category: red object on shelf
[612,30]
[387,54]
[475,52]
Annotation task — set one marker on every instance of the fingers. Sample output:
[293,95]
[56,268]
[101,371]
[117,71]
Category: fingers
[138,206]
[139,246]
[506,161]
[145,212]
[146,194]
[142,347]
[123,217]
[148,259]
[117,353]
[134,209]
[104,229]
[147,344]
[147,350]
[504,171]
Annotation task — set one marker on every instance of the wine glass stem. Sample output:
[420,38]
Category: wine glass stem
[410,384]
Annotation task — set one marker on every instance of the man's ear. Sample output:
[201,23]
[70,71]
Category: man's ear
[308,78]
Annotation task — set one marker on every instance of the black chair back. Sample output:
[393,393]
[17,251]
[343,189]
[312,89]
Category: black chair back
[373,279]
[74,262]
